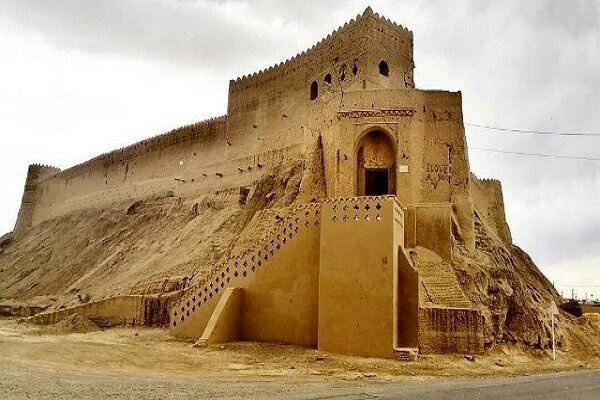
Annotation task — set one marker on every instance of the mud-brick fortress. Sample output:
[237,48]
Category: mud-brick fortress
[361,262]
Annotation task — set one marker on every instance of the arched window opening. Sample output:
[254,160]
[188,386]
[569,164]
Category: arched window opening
[328,79]
[355,68]
[314,90]
[343,72]
[384,69]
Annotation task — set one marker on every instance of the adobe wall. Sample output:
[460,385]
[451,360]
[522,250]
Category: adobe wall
[320,275]
[273,107]
[115,311]
[270,119]
[407,333]
[224,323]
[35,173]
[279,277]
[281,303]
[191,160]
[429,225]
[450,330]
[427,131]
[358,293]
[489,201]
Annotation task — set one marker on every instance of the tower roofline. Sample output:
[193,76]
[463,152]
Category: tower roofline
[367,14]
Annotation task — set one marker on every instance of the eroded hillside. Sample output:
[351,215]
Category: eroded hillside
[161,244]
[154,245]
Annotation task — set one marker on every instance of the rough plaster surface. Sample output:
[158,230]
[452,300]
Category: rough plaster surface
[114,311]
[356,278]
[450,330]
[224,323]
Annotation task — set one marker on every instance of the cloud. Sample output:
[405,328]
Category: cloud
[205,35]
[212,36]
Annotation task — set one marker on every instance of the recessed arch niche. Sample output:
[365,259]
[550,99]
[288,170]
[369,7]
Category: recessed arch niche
[376,164]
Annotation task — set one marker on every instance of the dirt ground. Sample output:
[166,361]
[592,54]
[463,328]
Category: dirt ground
[145,352]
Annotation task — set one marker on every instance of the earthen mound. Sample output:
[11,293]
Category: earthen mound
[75,323]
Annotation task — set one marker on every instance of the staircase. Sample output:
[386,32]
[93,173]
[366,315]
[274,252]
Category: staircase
[202,297]
[440,285]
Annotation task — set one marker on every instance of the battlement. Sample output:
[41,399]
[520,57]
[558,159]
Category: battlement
[45,167]
[487,193]
[306,60]
[37,172]
[175,136]
[485,181]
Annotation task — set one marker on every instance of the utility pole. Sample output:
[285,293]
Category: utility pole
[553,310]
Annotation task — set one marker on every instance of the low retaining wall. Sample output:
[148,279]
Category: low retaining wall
[450,330]
[116,311]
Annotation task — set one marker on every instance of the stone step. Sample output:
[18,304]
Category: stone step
[407,353]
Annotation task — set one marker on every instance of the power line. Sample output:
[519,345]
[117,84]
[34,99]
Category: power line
[520,153]
[579,284]
[534,132]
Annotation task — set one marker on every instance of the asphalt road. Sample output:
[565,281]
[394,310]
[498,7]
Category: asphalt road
[581,386]
[23,383]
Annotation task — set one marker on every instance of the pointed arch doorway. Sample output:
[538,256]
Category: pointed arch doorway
[376,160]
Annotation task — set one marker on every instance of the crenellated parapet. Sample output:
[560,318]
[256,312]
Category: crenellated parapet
[44,169]
[181,135]
[487,194]
[485,181]
[488,185]
[50,192]
[35,174]
[327,52]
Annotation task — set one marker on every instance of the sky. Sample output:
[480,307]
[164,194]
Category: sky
[80,78]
